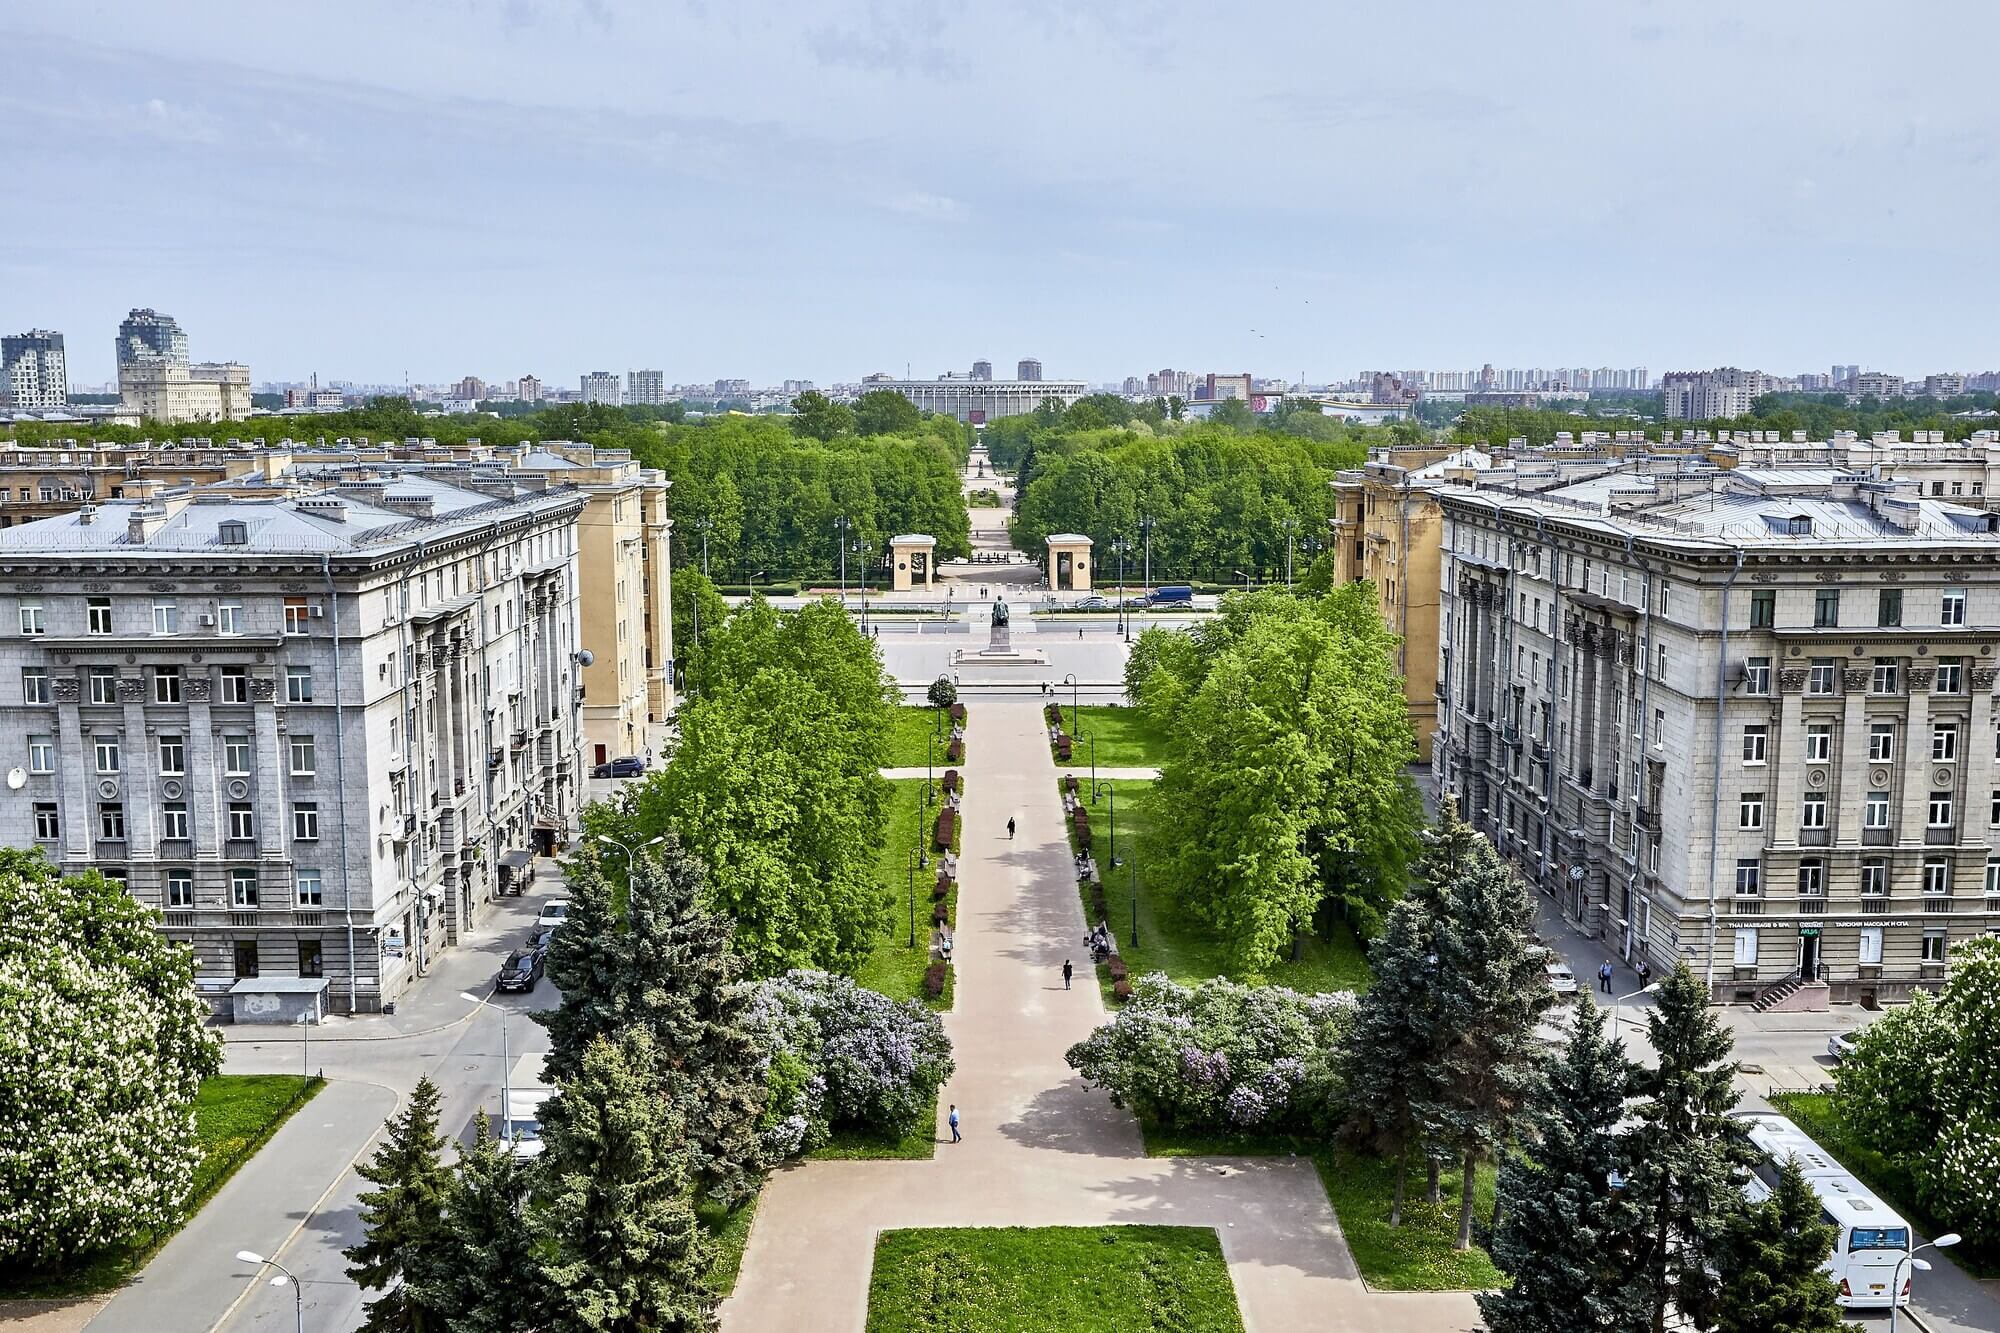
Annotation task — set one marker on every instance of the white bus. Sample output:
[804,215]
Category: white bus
[1871,1239]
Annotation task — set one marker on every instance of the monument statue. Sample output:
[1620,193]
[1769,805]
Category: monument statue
[1000,611]
[1000,640]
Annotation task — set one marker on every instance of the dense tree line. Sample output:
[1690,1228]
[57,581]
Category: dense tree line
[1819,415]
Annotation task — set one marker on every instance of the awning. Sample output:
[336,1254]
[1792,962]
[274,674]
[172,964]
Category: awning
[518,859]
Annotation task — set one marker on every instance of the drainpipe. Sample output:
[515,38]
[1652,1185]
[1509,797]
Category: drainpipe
[1555,699]
[1715,786]
[1645,701]
[340,775]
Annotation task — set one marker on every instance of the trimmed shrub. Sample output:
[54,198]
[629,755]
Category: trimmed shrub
[934,976]
[950,780]
[938,915]
[958,712]
[954,751]
[1062,748]
[1053,712]
[947,824]
[1115,965]
[1069,783]
[1121,990]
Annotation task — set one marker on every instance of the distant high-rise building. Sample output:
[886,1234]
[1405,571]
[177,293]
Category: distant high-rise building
[1639,379]
[1220,387]
[1947,385]
[646,388]
[1486,384]
[156,380]
[471,389]
[34,374]
[1029,369]
[983,370]
[1841,374]
[600,386]
[529,390]
[1701,395]
[149,336]
[1134,386]
[1876,384]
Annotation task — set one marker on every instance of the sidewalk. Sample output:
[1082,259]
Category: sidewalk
[1041,1149]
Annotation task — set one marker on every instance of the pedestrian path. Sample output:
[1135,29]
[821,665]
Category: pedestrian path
[1040,1148]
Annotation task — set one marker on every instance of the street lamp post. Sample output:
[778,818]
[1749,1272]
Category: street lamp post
[913,896]
[840,526]
[1120,545]
[1944,1242]
[1291,526]
[1132,885]
[288,1276]
[1093,769]
[1146,533]
[1075,718]
[703,525]
[1616,1005]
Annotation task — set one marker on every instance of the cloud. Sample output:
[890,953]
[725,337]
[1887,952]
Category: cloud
[927,207]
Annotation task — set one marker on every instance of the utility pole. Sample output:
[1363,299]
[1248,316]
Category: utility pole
[1146,531]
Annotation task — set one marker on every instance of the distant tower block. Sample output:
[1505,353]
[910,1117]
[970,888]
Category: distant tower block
[1069,562]
[911,555]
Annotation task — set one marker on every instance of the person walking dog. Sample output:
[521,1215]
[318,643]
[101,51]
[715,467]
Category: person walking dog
[953,1118]
[1066,972]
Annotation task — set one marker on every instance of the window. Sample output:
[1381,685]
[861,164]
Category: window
[235,685]
[1888,676]
[173,754]
[242,821]
[1763,608]
[1881,742]
[295,615]
[1754,741]
[1871,946]
[1944,742]
[41,754]
[1746,948]
[232,532]
[1940,809]
[180,888]
[1822,675]
[103,685]
[35,689]
[305,822]
[166,618]
[1889,608]
[1812,810]
[246,950]
[174,821]
[1874,877]
[396,736]
[1659,728]
[1937,875]
[1951,607]
[97,615]
[298,685]
[1749,879]
[242,887]
[111,820]
[1875,810]
[302,754]
[1812,878]
[236,755]
[1950,676]
[311,963]
[1819,742]
[166,685]
[47,824]
[31,618]
[1757,676]
[310,888]
[1934,945]
[1750,810]
[1826,608]
[229,618]
[106,748]
[1993,874]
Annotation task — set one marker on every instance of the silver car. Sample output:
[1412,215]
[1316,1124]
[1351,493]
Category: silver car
[1561,980]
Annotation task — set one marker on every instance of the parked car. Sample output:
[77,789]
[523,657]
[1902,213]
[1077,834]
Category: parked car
[1095,603]
[1171,604]
[1174,592]
[1137,603]
[521,971]
[553,913]
[1841,1045]
[624,766]
[1561,980]
[540,938]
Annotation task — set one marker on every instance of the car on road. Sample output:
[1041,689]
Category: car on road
[624,766]
[521,971]
[553,913]
[1841,1045]
[1170,604]
[1137,603]
[540,938]
[1561,980]
[1095,603]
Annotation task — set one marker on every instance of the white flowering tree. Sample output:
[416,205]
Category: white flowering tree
[1959,1177]
[102,1046]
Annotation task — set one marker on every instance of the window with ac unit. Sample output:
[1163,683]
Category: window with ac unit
[297,616]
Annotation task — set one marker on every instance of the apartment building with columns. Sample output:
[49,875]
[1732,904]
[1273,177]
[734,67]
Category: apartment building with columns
[1743,718]
[319,732]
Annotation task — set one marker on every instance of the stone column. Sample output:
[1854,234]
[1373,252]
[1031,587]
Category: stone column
[138,785]
[203,772]
[73,778]
[1916,765]
[267,772]
[1852,756]
[1783,774]
[1978,756]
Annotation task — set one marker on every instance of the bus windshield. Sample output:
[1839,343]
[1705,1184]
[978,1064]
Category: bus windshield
[1878,1238]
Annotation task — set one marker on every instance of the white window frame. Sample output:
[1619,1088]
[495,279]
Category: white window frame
[1756,744]
[1750,811]
[1875,810]
[1745,954]
[33,621]
[1951,607]
[1940,807]
[310,887]
[166,617]
[1819,742]
[41,754]
[1870,949]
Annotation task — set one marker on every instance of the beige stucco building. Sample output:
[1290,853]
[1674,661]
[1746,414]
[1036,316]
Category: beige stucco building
[170,392]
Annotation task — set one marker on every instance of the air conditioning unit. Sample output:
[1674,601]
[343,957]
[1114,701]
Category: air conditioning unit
[208,622]
[318,611]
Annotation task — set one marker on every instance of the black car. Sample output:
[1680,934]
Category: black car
[625,766]
[521,971]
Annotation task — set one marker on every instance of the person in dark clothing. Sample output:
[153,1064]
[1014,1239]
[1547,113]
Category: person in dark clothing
[1066,972]
[1010,826]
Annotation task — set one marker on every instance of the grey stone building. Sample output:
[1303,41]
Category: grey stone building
[1742,718]
[317,733]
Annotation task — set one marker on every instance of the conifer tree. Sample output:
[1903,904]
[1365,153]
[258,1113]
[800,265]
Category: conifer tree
[1389,1059]
[622,1251]
[1566,1236]
[404,1216]
[482,1270]
[1770,1264]
[1688,1153]
[589,962]
[1451,849]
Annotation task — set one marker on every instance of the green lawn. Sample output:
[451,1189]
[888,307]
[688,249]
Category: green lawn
[1817,1115]
[895,968]
[1124,738]
[234,1115]
[729,1230]
[1172,943]
[1051,1280]
[855,1146]
[910,738]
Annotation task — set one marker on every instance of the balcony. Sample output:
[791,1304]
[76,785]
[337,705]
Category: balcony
[1937,906]
[519,740]
[1747,906]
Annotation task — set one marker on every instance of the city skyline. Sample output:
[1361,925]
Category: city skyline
[1400,215]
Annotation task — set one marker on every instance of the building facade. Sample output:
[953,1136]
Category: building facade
[600,386]
[982,400]
[157,381]
[317,734]
[34,371]
[1703,395]
[1746,721]
[646,388]
[1028,369]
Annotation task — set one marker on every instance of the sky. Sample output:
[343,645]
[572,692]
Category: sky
[819,190]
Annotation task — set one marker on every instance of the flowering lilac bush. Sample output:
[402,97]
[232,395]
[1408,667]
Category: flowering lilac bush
[1220,1055]
[843,1056]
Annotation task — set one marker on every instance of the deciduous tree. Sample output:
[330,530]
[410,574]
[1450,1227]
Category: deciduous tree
[885,412]
[818,417]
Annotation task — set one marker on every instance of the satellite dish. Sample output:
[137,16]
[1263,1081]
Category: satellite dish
[17,778]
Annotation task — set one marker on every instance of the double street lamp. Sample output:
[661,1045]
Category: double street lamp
[1944,1242]
[286,1275]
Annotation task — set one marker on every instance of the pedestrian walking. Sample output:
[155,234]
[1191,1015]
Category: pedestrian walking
[955,1135]
[1066,972]
[1010,826]
[1604,977]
